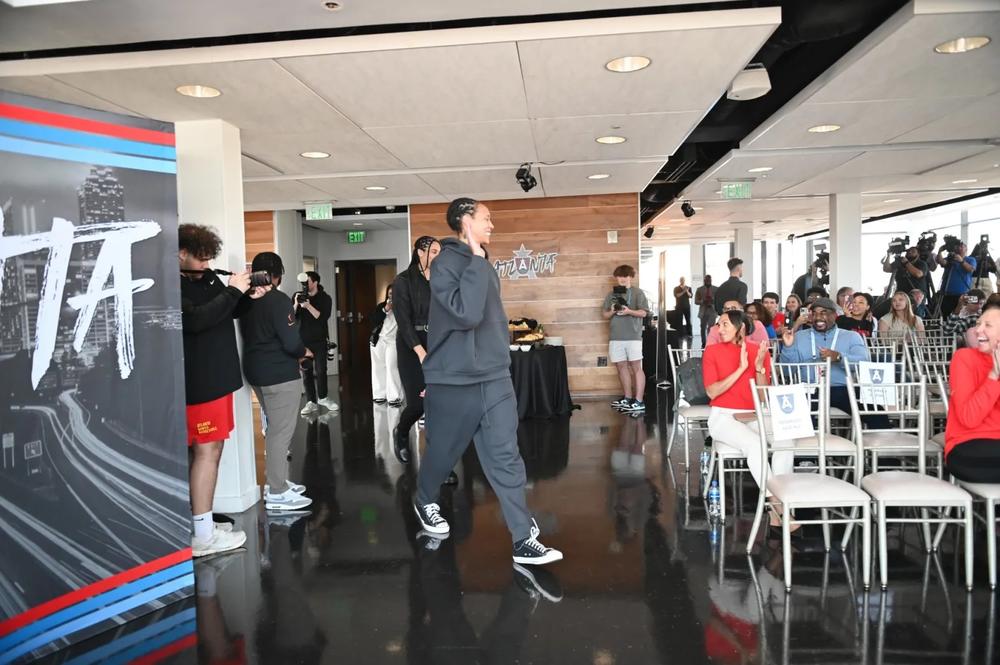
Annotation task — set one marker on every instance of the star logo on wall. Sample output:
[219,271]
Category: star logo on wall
[522,264]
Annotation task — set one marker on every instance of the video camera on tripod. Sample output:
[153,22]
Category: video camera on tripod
[898,246]
[822,266]
[951,244]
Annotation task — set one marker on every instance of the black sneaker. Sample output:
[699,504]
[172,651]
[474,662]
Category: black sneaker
[401,445]
[430,518]
[380,400]
[621,402]
[636,406]
[538,581]
[530,551]
[430,542]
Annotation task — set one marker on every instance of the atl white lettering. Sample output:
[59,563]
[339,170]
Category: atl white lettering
[114,260]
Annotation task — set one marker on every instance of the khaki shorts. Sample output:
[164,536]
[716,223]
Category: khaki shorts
[620,351]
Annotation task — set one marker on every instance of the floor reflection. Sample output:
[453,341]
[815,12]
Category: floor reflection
[647,579]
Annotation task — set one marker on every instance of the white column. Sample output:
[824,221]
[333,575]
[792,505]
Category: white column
[743,248]
[845,241]
[288,245]
[697,265]
[210,192]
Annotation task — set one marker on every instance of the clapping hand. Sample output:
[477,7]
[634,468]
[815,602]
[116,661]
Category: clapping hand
[761,356]
[995,374]
[788,337]
[744,358]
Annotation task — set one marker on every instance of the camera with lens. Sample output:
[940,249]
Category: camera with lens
[618,302]
[301,297]
[926,244]
[899,246]
[951,244]
[260,278]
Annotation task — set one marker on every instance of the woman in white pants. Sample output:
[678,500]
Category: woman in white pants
[385,371]
[728,368]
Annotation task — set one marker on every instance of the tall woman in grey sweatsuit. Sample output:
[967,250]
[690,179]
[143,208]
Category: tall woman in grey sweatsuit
[469,391]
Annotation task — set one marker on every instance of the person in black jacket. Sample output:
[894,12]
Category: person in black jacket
[733,288]
[313,308]
[411,295]
[211,375]
[272,355]
[469,391]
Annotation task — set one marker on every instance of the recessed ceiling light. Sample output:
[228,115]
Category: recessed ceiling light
[200,91]
[358,223]
[760,169]
[824,129]
[314,154]
[598,176]
[964,181]
[332,6]
[376,188]
[628,63]
[610,140]
[892,201]
[962,44]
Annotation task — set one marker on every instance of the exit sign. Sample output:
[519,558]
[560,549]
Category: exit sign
[318,211]
[736,190]
[356,237]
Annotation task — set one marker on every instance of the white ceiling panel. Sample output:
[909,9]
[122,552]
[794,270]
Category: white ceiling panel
[964,119]
[454,84]
[688,72]
[257,95]
[460,143]
[251,167]
[281,190]
[350,149]
[862,123]
[400,189]
[904,65]
[49,88]
[572,180]
[900,162]
[830,184]
[987,162]
[573,139]
[787,170]
[492,184]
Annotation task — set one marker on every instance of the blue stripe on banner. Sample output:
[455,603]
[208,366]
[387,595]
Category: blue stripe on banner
[95,603]
[153,644]
[127,641]
[96,617]
[25,147]
[28,130]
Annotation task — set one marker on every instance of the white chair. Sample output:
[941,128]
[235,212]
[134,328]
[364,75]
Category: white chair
[807,490]
[686,416]
[988,492]
[907,489]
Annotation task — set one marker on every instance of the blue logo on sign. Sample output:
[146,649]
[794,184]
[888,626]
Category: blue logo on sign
[787,403]
[877,376]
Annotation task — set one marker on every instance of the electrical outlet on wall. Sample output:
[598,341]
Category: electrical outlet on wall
[602,361]
[612,237]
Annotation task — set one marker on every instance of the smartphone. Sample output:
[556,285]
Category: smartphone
[972,300]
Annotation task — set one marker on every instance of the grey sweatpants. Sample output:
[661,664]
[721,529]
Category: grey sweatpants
[485,413]
[280,403]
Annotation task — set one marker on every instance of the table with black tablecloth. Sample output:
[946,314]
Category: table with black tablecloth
[541,382]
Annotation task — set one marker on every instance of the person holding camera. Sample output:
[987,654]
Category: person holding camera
[273,354]
[984,266]
[859,315]
[958,270]
[469,391]
[626,307]
[966,313]
[908,270]
[211,375]
[313,307]
[385,373]
[816,278]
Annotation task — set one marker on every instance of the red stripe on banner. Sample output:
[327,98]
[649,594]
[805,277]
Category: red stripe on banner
[108,583]
[171,649]
[84,125]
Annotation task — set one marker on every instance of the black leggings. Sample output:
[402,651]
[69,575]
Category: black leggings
[412,377]
[975,461]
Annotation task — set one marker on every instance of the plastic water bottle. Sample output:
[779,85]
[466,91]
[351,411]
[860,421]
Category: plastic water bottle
[714,505]
[713,536]
[706,459]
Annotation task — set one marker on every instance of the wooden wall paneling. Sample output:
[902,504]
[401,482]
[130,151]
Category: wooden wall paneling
[258,231]
[568,302]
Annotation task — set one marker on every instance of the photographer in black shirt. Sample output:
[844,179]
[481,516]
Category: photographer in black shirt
[313,307]
[909,270]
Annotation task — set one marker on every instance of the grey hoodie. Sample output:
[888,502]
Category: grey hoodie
[467,336]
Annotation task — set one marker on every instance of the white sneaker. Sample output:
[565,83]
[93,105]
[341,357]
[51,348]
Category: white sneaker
[310,407]
[287,500]
[295,487]
[329,404]
[221,541]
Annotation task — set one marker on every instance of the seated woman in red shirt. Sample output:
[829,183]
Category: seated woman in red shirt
[728,368]
[972,436]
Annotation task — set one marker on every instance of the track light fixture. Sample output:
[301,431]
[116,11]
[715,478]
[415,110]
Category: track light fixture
[524,177]
[687,209]
[649,231]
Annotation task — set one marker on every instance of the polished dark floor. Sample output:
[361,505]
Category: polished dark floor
[645,579]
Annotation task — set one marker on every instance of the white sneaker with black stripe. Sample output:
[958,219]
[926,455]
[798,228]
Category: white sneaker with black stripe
[530,551]
[430,518]
[621,402]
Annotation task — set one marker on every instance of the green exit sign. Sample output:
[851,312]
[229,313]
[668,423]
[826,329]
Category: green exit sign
[318,211]
[736,190]
[356,237]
